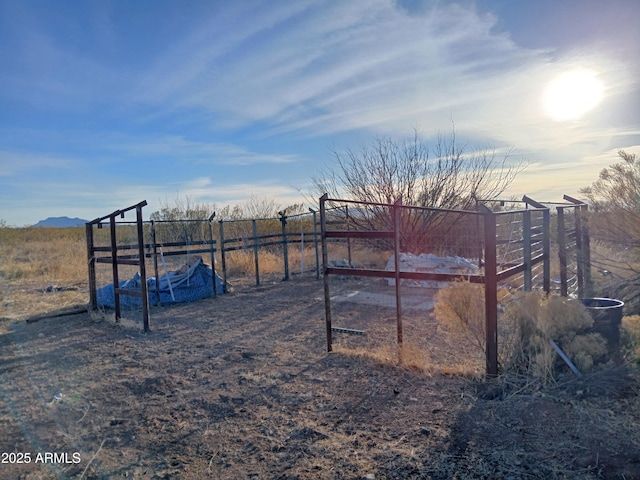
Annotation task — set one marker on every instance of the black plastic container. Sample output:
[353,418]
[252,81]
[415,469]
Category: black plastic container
[607,318]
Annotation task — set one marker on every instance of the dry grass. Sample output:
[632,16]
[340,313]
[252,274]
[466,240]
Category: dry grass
[45,269]
[537,319]
[41,270]
[631,336]
[57,256]
[461,308]
[415,358]
[253,391]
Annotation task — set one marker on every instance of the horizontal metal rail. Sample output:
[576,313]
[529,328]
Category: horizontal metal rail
[441,277]
[359,234]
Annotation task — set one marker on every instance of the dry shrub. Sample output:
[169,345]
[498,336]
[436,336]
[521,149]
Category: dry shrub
[526,329]
[242,262]
[583,350]
[537,319]
[630,336]
[460,307]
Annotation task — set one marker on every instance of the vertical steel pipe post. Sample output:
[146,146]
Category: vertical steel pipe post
[490,291]
[91,263]
[143,269]
[526,249]
[114,264]
[325,264]
[562,252]
[255,251]
[396,251]
[285,248]
[222,255]
[315,242]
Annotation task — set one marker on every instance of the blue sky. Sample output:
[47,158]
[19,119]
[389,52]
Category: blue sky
[106,103]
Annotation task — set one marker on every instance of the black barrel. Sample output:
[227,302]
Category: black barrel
[607,318]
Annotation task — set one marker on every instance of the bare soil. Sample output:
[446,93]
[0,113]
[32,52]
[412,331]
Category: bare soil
[242,386]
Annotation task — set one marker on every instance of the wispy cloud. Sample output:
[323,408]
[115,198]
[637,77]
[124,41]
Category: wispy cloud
[16,162]
[207,190]
[181,149]
[113,146]
[340,61]
[264,84]
[340,67]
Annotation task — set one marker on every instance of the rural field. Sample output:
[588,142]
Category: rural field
[241,386]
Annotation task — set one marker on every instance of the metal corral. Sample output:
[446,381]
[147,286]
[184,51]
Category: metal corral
[509,244]
[169,243]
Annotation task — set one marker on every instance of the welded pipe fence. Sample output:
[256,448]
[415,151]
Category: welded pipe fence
[114,259]
[167,243]
[512,248]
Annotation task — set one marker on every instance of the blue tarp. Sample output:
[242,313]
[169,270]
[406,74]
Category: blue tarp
[192,282]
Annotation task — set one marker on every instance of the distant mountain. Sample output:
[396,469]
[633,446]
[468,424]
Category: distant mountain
[61,222]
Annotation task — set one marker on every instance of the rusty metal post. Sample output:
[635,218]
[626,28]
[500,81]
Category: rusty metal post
[255,251]
[546,250]
[143,269]
[562,252]
[586,245]
[526,249]
[325,264]
[579,252]
[155,260]
[91,264]
[546,242]
[213,256]
[285,247]
[490,291]
[114,264]
[396,251]
[580,249]
[315,242]
[222,256]
[346,214]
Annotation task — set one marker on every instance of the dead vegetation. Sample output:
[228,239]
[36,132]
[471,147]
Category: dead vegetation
[242,387]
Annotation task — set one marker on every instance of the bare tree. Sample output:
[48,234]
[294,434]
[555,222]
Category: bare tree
[266,207]
[442,177]
[615,222]
[178,219]
[616,198]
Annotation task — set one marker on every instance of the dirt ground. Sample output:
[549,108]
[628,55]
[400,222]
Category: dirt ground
[242,387]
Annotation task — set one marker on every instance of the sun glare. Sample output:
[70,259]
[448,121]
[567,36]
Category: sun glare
[572,94]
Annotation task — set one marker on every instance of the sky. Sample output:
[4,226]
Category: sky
[104,103]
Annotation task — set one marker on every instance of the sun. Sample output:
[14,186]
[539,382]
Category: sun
[572,94]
